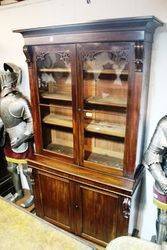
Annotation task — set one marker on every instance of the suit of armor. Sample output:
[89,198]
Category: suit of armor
[16,117]
[155,159]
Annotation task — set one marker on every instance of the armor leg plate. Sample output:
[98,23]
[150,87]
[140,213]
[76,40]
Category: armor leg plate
[161,226]
[12,168]
[27,173]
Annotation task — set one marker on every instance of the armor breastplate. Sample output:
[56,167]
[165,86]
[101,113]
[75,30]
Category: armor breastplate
[11,115]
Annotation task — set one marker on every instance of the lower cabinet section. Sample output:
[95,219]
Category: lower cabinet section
[55,200]
[99,214]
[87,211]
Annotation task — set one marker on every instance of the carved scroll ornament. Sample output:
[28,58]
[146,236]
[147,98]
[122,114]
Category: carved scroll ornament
[126,204]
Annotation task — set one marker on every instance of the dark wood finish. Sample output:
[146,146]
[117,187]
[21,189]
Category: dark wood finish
[89,51]
[89,193]
[137,26]
[55,194]
[99,222]
[122,226]
[132,118]
[119,185]
[37,194]
[88,205]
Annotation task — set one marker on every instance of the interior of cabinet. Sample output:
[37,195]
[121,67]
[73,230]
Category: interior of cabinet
[58,139]
[105,90]
[55,95]
[105,79]
[57,128]
[55,85]
[57,115]
[105,96]
[105,122]
[104,150]
[54,75]
[104,137]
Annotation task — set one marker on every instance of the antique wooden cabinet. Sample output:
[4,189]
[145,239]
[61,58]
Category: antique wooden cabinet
[89,85]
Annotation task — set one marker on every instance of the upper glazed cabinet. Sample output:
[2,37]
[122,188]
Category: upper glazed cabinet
[83,93]
[89,85]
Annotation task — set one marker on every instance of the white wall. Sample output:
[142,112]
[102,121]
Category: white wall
[36,13]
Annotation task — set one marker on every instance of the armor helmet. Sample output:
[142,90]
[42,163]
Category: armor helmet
[10,78]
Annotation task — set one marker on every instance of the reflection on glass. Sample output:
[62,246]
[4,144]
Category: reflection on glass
[57,128]
[57,115]
[58,139]
[55,94]
[106,78]
[104,150]
[105,122]
[54,76]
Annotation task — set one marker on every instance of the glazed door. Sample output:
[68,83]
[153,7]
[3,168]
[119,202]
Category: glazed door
[55,66]
[105,88]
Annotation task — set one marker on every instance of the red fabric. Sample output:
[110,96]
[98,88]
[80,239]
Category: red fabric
[9,153]
[160,197]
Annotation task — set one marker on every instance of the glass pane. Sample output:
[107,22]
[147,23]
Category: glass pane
[106,78]
[105,122]
[104,150]
[55,97]
[54,76]
[57,129]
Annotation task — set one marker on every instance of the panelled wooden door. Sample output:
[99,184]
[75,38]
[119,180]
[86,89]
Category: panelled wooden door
[105,84]
[56,200]
[99,215]
[87,211]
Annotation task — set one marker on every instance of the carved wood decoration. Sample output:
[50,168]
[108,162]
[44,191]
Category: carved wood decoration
[116,54]
[28,54]
[139,51]
[44,58]
[126,208]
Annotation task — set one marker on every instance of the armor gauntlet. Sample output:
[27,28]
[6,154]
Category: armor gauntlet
[153,156]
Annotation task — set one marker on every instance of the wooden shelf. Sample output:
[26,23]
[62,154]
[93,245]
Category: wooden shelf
[104,159]
[56,96]
[109,101]
[59,120]
[60,149]
[105,71]
[66,70]
[106,128]
[104,82]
